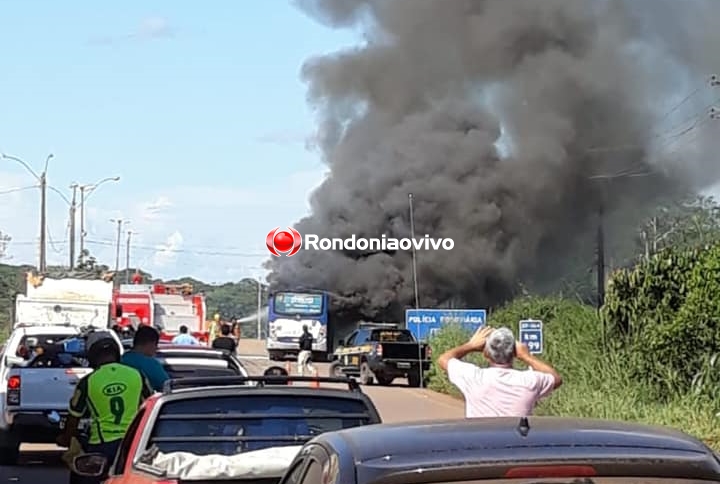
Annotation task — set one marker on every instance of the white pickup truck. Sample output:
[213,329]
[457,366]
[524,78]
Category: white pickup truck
[36,389]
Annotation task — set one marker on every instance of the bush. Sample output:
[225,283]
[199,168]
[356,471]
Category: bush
[663,313]
[599,382]
[572,333]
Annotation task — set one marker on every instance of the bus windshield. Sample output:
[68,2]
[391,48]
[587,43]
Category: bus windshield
[292,303]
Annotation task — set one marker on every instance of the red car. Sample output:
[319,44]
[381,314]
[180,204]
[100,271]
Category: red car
[220,428]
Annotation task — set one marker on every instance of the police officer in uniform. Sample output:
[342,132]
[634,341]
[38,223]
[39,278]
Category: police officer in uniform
[109,396]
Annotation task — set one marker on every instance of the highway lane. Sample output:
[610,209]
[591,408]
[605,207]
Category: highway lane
[398,403]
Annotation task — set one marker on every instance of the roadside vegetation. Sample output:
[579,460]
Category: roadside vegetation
[649,355]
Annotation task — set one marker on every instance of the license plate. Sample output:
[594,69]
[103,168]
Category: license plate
[403,365]
[354,360]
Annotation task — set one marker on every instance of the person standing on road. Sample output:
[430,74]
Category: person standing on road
[185,338]
[109,396]
[142,357]
[214,329]
[304,360]
[498,390]
[225,342]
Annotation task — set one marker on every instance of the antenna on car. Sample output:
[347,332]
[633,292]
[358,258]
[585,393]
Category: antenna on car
[523,427]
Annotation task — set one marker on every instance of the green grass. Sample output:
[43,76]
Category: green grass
[596,382]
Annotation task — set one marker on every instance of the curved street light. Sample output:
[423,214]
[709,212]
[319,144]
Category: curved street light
[85,191]
[42,179]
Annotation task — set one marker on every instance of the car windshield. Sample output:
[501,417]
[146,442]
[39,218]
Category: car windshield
[245,422]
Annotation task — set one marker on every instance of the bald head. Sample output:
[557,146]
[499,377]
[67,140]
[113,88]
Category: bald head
[500,346]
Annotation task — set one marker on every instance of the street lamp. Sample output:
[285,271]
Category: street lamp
[42,179]
[85,191]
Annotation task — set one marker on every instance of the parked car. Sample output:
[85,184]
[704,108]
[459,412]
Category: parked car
[535,450]
[222,429]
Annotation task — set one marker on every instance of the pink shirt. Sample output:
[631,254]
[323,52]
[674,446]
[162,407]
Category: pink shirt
[499,392]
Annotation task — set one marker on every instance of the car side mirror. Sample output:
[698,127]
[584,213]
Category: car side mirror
[11,360]
[91,465]
[341,342]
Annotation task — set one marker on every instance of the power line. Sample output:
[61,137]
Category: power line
[161,248]
[675,131]
[18,189]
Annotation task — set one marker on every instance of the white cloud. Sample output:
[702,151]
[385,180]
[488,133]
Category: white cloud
[167,252]
[148,28]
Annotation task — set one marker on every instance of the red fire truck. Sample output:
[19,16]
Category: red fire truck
[164,306]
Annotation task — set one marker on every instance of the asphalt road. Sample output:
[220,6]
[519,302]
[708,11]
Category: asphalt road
[398,403]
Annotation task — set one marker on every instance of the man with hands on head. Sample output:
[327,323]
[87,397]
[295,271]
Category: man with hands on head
[498,390]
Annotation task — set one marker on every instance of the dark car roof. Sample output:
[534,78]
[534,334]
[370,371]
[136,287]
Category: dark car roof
[493,440]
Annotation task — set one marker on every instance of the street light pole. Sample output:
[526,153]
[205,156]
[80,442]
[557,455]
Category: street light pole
[85,191]
[127,258]
[43,223]
[414,253]
[415,283]
[42,179]
[73,210]
[82,221]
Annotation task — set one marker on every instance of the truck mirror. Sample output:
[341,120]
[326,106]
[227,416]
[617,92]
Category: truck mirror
[118,311]
[11,360]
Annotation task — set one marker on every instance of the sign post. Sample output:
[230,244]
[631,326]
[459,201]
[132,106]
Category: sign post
[424,323]
[531,334]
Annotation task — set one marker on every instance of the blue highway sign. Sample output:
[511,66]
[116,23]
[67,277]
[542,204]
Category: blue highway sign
[424,323]
[531,334]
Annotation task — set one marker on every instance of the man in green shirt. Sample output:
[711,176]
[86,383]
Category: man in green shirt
[109,396]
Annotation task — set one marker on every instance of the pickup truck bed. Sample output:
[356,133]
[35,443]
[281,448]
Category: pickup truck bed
[37,402]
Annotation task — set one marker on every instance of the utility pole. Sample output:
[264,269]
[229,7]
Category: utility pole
[119,223]
[600,258]
[73,210]
[127,258]
[259,309]
[82,219]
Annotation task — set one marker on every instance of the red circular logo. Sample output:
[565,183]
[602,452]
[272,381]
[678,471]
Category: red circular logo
[286,242]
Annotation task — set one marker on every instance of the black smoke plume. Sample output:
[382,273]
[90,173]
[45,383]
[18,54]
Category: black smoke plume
[512,122]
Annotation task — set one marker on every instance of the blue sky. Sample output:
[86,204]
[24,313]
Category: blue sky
[201,112]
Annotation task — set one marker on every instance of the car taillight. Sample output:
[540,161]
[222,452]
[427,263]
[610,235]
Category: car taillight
[14,383]
[13,390]
[378,350]
[539,472]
